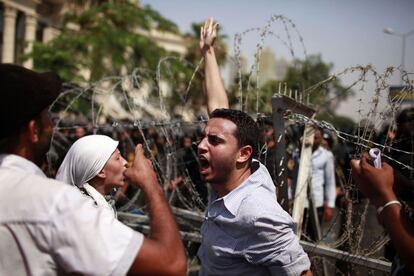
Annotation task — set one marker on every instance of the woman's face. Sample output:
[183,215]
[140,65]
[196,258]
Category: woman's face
[114,171]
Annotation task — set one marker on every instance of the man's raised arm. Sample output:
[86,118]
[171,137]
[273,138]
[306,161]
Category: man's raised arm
[214,87]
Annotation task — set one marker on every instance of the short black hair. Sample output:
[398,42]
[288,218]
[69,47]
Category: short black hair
[247,132]
[24,95]
[10,143]
[265,120]
[406,115]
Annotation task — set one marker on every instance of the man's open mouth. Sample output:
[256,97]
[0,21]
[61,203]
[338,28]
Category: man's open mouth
[204,164]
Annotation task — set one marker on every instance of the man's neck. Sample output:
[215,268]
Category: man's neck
[25,152]
[271,144]
[232,182]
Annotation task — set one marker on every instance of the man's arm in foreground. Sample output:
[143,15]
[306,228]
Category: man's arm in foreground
[377,185]
[162,253]
[214,87]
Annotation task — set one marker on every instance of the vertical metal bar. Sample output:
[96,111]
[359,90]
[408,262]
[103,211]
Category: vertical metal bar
[313,213]
[316,225]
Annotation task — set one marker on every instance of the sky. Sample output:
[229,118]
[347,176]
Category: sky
[344,32]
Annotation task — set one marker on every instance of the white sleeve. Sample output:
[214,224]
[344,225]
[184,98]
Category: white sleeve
[330,185]
[88,240]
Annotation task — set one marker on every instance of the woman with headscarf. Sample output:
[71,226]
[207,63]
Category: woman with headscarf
[95,165]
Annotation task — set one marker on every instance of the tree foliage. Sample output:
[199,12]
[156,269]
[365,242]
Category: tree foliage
[194,56]
[313,76]
[104,39]
[186,83]
[304,77]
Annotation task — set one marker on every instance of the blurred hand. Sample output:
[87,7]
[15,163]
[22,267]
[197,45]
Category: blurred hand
[327,213]
[208,34]
[176,182]
[141,174]
[376,184]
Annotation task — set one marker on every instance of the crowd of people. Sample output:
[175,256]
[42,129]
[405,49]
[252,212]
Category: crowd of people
[69,224]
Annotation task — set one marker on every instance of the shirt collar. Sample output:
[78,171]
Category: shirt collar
[318,151]
[260,177]
[18,163]
[98,197]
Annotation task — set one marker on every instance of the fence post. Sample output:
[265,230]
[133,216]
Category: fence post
[303,178]
[280,105]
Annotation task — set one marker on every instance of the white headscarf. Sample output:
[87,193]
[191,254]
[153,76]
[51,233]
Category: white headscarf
[85,159]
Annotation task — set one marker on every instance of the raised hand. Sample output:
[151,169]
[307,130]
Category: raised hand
[376,184]
[327,213]
[208,34]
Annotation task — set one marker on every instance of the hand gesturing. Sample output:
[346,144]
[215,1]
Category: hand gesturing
[208,34]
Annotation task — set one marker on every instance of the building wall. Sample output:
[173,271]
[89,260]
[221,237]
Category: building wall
[25,21]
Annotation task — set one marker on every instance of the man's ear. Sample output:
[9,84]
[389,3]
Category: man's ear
[32,131]
[244,153]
